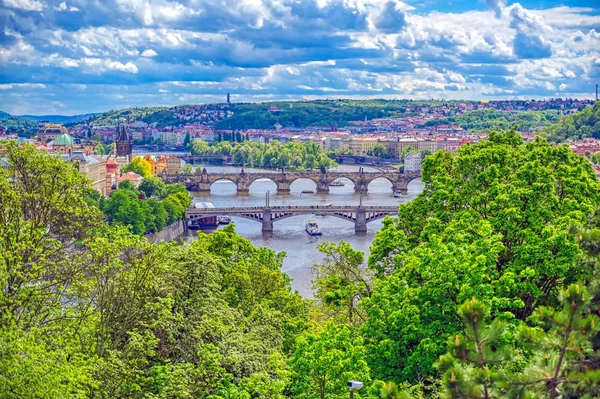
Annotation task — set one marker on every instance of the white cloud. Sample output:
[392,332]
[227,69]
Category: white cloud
[5,87]
[28,5]
[149,53]
[63,7]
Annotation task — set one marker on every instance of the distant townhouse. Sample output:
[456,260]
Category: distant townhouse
[412,162]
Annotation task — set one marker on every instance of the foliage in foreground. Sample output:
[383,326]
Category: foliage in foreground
[491,223]
[90,310]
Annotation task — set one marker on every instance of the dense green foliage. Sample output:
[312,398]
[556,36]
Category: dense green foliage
[581,125]
[22,127]
[310,113]
[549,357]
[292,155]
[146,209]
[486,286]
[483,120]
[113,117]
[491,223]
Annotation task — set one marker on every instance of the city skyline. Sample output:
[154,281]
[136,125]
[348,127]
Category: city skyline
[70,57]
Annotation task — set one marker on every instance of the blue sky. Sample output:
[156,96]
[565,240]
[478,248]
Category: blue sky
[76,56]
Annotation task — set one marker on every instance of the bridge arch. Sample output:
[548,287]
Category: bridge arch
[224,180]
[263,184]
[297,180]
[382,184]
[343,179]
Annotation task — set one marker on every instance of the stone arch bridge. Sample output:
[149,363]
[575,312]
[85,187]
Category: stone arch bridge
[359,215]
[202,180]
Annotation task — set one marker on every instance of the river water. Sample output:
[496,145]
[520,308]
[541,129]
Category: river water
[289,234]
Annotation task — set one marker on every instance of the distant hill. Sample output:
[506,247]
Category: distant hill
[62,119]
[310,113]
[484,120]
[581,125]
[263,115]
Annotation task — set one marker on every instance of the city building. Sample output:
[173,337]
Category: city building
[49,132]
[173,164]
[361,145]
[64,143]
[92,166]
[132,177]
[123,142]
[412,162]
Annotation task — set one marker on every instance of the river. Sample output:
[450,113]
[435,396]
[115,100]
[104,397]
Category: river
[289,234]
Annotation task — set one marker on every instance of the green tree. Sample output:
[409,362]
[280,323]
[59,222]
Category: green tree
[199,147]
[138,165]
[153,187]
[475,365]
[123,207]
[44,216]
[491,223]
[378,150]
[187,168]
[127,185]
[99,149]
[326,360]
[341,281]
[562,350]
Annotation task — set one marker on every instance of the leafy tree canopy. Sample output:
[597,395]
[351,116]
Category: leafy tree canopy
[492,222]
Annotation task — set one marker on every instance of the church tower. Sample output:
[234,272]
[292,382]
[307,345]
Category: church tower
[123,141]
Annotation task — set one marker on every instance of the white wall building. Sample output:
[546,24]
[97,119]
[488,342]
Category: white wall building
[412,162]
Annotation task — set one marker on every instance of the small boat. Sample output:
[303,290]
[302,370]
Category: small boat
[312,228]
[308,192]
[397,194]
[224,219]
[337,183]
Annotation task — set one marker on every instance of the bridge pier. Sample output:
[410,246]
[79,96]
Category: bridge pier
[361,187]
[283,187]
[403,188]
[322,187]
[242,187]
[202,187]
[360,225]
[267,222]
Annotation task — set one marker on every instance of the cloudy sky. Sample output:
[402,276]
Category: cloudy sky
[77,56]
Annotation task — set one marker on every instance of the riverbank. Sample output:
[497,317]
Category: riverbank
[169,233]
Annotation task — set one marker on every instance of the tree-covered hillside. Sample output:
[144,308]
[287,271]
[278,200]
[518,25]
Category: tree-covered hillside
[22,127]
[311,113]
[258,116]
[581,125]
[483,120]
[113,117]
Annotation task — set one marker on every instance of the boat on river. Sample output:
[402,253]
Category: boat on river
[397,194]
[337,183]
[312,228]
[307,192]
[224,219]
